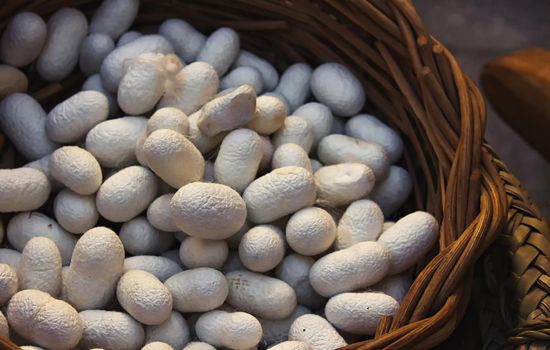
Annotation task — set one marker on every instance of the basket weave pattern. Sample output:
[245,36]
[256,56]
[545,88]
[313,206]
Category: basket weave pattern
[414,83]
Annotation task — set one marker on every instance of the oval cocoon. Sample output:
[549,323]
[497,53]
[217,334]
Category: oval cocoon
[358,266]
[208,210]
[144,297]
[335,149]
[238,159]
[173,157]
[409,240]
[279,193]
[198,290]
[307,329]
[263,296]
[77,169]
[104,329]
[70,120]
[359,313]
[126,193]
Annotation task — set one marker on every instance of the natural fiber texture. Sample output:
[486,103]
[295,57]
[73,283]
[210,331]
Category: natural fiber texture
[414,83]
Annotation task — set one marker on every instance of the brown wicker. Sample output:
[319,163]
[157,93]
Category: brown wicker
[415,84]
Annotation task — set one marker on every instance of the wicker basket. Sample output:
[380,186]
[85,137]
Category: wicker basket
[416,85]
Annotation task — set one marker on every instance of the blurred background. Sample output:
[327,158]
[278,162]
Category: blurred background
[477,31]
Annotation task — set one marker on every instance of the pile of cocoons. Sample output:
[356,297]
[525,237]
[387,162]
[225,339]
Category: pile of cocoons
[190,197]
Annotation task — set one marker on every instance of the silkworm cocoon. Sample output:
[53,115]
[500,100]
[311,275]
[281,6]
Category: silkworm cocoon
[173,331]
[173,157]
[196,252]
[23,189]
[10,257]
[159,216]
[291,345]
[23,121]
[387,225]
[9,282]
[308,329]
[95,268]
[113,142]
[4,328]
[141,86]
[40,266]
[203,143]
[269,74]
[238,159]
[161,267]
[276,331]
[315,165]
[263,296]
[341,184]
[157,346]
[12,80]
[334,149]
[94,48]
[70,120]
[233,262]
[168,118]
[198,345]
[187,41]
[229,110]
[358,266]
[359,313]
[24,226]
[335,86]
[371,129]
[269,115]
[77,169]
[30,347]
[234,330]
[112,68]
[392,191]
[67,28]
[279,193]
[208,210]
[126,193]
[362,221]
[23,39]
[220,49]
[262,248]
[295,130]
[198,290]
[110,330]
[409,240]
[235,239]
[128,37]
[139,237]
[191,88]
[294,270]
[243,75]
[290,154]
[114,17]
[93,82]
[310,231]
[395,286]
[294,85]
[46,321]
[144,297]
[76,213]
